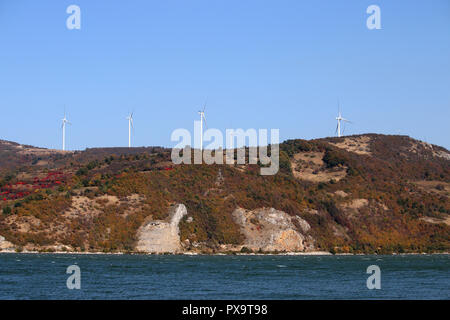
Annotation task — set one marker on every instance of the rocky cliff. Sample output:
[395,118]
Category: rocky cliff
[161,236]
[269,230]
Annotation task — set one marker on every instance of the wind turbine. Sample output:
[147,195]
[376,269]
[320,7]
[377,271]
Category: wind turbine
[130,125]
[64,121]
[339,118]
[202,117]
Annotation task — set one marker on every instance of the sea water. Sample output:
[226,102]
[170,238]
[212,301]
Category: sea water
[109,276]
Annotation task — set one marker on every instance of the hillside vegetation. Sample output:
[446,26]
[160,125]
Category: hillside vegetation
[357,194]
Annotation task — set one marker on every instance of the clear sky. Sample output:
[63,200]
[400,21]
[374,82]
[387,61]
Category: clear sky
[261,64]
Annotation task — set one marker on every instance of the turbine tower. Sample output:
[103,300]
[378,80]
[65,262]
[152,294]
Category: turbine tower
[64,121]
[202,117]
[130,125]
[339,118]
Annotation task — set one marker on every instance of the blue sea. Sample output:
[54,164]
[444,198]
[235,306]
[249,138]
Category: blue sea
[103,276]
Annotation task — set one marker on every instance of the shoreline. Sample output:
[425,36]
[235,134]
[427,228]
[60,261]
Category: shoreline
[312,253]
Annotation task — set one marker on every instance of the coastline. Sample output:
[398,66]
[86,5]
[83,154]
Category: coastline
[312,253]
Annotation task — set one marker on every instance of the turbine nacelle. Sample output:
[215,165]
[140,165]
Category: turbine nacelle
[130,119]
[339,118]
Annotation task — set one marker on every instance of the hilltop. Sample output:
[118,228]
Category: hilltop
[356,194]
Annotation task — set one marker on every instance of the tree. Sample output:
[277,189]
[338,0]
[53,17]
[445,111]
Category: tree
[7,210]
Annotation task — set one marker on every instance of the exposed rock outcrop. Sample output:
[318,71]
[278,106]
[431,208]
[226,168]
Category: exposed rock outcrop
[5,245]
[160,236]
[267,229]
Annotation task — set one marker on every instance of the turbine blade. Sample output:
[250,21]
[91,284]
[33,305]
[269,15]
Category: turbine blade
[204,105]
[204,118]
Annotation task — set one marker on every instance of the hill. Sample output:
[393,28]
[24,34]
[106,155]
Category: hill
[356,194]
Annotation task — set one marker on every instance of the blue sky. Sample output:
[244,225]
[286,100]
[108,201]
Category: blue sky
[261,64]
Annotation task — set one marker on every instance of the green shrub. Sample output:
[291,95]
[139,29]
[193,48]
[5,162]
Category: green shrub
[334,158]
[81,172]
[246,250]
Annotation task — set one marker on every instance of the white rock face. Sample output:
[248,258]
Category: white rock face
[161,236]
[268,229]
[303,224]
[5,245]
